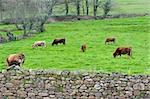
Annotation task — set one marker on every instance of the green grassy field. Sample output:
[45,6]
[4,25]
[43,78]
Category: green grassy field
[118,7]
[9,28]
[129,32]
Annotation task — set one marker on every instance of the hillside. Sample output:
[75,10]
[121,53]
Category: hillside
[118,7]
[129,32]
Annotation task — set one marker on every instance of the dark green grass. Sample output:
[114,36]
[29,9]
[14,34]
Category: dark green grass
[11,28]
[129,32]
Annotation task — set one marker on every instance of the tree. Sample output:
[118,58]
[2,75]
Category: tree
[77,3]
[66,6]
[31,14]
[107,7]
[45,11]
[1,9]
[96,5]
[87,7]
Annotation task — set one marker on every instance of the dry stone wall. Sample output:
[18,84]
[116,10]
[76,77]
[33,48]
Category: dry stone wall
[72,85]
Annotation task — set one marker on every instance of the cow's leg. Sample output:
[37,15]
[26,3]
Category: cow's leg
[44,45]
[120,55]
[129,55]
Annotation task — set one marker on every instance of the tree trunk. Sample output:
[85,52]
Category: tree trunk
[66,7]
[1,16]
[83,7]
[78,7]
[87,7]
[24,28]
[41,26]
[95,7]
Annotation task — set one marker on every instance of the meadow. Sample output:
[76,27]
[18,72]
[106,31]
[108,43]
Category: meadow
[118,7]
[129,32]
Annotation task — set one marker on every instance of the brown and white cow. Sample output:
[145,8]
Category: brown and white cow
[15,59]
[58,40]
[83,48]
[122,50]
[39,43]
[110,40]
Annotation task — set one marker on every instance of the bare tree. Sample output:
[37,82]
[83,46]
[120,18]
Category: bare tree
[107,7]
[96,5]
[1,9]
[45,11]
[77,3]
[83,9]
[87,7]
[66,7]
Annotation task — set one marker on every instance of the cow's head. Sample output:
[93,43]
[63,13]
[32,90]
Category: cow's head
[33,46]
[115,54]
[52,43]
[21,57]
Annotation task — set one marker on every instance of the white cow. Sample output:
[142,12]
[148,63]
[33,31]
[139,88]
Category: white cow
[39,43]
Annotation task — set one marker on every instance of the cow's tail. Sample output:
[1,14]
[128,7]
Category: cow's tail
[131,51]
[7,62]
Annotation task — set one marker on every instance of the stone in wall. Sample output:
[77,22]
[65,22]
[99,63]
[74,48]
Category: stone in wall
[64,84]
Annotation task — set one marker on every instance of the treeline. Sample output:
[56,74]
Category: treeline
[31,15]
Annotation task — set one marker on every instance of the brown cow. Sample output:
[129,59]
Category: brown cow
[59,40]
[83,48]
[15,59]
[39,43]
[110,40]
[122,50]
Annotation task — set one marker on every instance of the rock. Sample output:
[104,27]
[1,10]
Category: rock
[10,97]
[15,82]
[97,86]
[1,76]
[129,93]
[9,85]
[91,97]
[31,94]
[90,80]
[74,92]
[97,95]
[43,94]
[85,74]
[139,86]
[33,31]
[129,88]
[7,93]
[22,94]
[51,78]
[48,86]
[77,73]
[65,73]
[46,98]
[136,93]
[120,88]
[87,77]
[83,87]
[52,96]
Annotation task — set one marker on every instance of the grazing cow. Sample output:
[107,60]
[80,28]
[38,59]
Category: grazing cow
[58,40]
[122,50]
[15,59]
[83,48]
[110,40]
[39,43]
